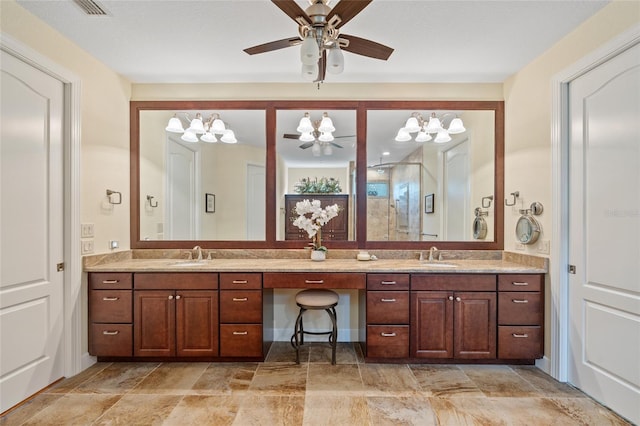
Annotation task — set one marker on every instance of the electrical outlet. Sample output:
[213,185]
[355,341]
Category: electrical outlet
[87,247]
[113,244]
[86,230]
[520,246]
[544,246]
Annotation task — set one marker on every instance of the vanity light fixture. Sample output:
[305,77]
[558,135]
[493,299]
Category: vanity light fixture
[425,129]
[207,129]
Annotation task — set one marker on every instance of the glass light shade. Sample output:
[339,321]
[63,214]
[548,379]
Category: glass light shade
[307,137]
[309,51]
[189,136]
[423,136]
[403,136]
[175,125]
[326,137]
[305,125]
[335,60]
[412,125]
[316,150]
[434,125]
[196,125]
[310,72]
[208,137]
[456,127]
[229,137]
[327,149]
[442,137]
[218,127]
[326,125]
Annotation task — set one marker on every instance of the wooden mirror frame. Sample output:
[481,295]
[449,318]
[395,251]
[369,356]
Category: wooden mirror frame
[361,108]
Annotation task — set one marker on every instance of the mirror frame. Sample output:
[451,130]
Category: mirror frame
[361,107]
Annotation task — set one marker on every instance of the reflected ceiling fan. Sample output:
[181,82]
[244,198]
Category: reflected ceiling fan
[319,34]
[316,134]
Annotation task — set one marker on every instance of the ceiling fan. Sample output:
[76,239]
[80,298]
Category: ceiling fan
[316,134]
[319,31]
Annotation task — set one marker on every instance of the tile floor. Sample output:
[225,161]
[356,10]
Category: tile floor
[279,392]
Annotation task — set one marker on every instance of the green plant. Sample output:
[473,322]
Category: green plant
[322,186]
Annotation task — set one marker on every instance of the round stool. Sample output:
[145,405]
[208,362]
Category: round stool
[315,300]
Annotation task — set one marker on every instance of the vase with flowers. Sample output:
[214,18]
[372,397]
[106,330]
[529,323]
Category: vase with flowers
[311,218]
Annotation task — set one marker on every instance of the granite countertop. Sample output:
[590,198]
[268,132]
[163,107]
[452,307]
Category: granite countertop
[493,265]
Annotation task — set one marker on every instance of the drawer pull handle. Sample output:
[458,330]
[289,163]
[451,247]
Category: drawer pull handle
[110,299]
[110,333]
[388,334]
[240,299]
[314,281]
[519,283]
[387,300]
[240,281]
[110,281]
[519,300]
[388,282]
[520,336]
[240,333]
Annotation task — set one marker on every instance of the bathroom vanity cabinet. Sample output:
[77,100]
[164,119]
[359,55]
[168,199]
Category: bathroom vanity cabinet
[336,229]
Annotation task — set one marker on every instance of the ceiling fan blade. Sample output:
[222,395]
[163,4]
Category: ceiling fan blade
[335,144]
[273,45]
[291,8]
[364,47]
[345,136]
[306,145]
[347,9]
[291,136]
[322,67]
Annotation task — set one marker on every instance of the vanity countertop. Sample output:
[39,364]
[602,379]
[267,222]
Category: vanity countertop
[476,266]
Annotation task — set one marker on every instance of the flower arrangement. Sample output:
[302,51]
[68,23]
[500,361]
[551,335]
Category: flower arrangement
[322,186]
[312,217]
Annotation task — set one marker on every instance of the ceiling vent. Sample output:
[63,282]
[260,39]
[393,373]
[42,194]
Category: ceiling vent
[91,8]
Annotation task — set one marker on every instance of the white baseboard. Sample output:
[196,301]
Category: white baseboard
[87,361]
[544,364]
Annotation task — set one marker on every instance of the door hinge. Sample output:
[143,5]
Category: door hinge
[60,267]
[572,269]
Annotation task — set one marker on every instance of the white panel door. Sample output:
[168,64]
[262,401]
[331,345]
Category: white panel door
[31,231]
[604,240]
[181,209]
[456,193]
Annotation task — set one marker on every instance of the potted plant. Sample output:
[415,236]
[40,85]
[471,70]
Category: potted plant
[312,217]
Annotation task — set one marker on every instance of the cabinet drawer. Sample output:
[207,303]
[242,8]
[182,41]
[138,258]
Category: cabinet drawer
[388,341]
[387,281]
[175,281]
[517,342]
[520,282]
[241,340]
[314,280]
[114,306]
[237,306]
[519,308]
[387,307]
[110,281]
[111,340]
[453,282]
[240,281]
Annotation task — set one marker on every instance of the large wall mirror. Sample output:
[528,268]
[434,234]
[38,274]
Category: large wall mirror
[397,185]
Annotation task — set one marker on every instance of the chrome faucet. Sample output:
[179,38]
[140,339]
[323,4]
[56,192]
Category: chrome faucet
[431,250]
[199,252]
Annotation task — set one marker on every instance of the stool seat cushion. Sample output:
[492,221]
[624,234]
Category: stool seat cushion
[318,298]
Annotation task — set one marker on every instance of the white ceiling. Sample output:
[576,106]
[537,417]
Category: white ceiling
[190,41]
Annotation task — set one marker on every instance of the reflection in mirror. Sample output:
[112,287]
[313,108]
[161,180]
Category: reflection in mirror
[205,184]
[425,186]
[310,159]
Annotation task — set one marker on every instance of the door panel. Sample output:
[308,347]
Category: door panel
[31,226]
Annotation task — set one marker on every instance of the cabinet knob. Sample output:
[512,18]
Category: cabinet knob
[177,296]
[171,297]
[458,299]
[450,297]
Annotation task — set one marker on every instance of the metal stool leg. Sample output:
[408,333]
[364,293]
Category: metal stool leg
[333,337]
[296,339]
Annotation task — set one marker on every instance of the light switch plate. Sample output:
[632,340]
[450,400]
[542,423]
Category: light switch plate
[544,246]
[87,247]
[86,230]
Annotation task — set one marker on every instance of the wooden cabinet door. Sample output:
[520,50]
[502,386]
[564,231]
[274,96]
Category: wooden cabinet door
[475,325]
[432,324]
[196,323]
[154,323]
[336,229]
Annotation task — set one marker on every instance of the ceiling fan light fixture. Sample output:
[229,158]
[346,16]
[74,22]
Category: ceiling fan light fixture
[316,150]
[326,125]
[403,136]
[310,72]
[305,125]
[335,60]
[189,136]
[208,137]
[456,126]
[306,137]
[327,150]
[442,137]
[309,50]
[229,137]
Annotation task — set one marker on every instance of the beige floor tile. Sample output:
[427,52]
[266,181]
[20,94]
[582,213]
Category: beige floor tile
[321,353]
[73,409]
[66,385]
[219,410]
[272,410]
[326,409]
[444,381]
[400,411]
[140,410]
[530,411]
[499,381]
[546,384]
[334,379]
[175,378]
[117,378]
[388,379]
[466,412]
[280,379]
[225,378]
[586,411]
[28,409]
[284,352]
